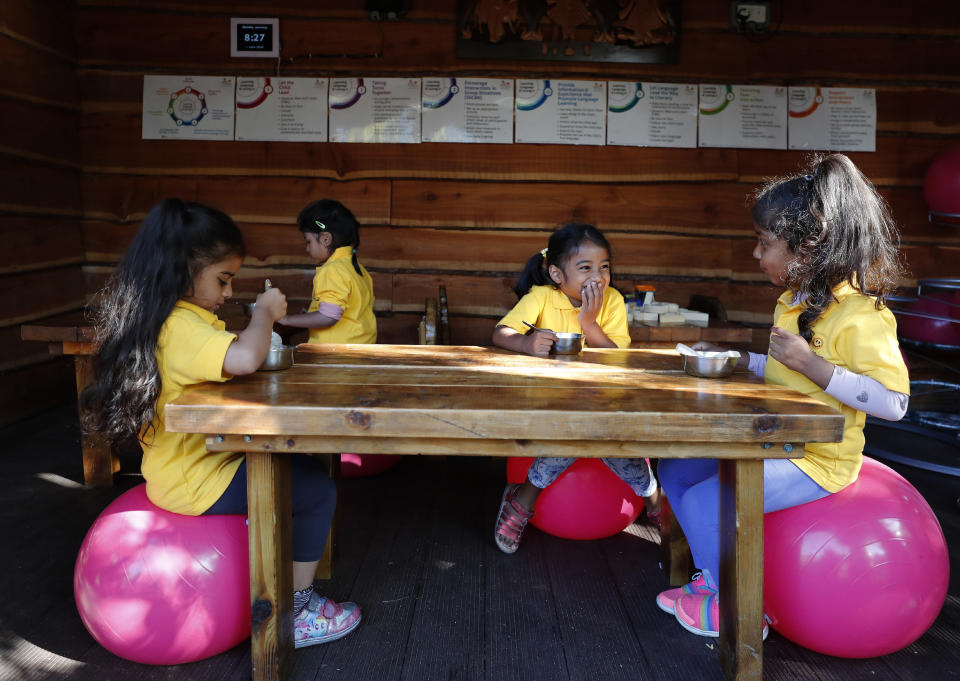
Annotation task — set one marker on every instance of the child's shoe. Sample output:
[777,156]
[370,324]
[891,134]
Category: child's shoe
[700,614]
[511,521]
[323,620]
[667,599]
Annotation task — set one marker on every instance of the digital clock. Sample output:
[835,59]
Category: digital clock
[254,37]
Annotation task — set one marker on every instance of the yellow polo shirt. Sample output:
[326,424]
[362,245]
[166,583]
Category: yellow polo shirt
[337,282]
[182,476]
[549,308]
[851,333]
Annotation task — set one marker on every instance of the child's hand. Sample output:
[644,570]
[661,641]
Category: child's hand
[272,303]
[789,349]
[591,300]
[538,343]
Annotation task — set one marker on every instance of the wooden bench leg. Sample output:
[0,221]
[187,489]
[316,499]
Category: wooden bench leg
[741,568]
[271,564]
[99,461]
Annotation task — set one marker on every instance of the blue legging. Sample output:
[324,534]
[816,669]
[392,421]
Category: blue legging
[313,497]
[693,488]
[635,472]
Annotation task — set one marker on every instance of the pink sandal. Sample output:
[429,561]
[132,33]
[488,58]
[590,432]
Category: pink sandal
[511,521]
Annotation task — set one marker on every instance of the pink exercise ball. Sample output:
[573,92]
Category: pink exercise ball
[859,573]
[162,588]
[941,184]
[587,501]
[363,465]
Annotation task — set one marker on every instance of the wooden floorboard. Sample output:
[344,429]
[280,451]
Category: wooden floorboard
[439,600]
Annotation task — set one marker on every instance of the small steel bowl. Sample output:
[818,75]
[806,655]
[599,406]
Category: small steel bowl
[709,367]
[278,358]
[567,344]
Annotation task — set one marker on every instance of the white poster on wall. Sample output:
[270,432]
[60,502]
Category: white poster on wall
[743,116]
[652,114]
[561,111]
[188,107]
[478,110]
[379,110]
[838,119]
[282,109]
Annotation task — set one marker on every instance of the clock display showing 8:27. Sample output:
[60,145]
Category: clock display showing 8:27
[254,38]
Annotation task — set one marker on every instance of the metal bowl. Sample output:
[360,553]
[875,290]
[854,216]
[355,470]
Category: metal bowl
[709,367]
[278,358]
[568,344]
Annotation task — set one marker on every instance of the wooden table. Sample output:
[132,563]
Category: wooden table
[479,401]
[76,339]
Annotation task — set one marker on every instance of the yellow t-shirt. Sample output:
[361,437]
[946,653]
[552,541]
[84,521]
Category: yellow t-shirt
[338,283]
[182,476]
[549,308]
[851,333]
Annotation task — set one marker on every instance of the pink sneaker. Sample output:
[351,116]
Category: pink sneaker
[511,521]
[700,614]
[666,600]
[323,620]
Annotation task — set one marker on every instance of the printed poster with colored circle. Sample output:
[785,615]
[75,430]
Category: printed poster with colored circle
[282,109]
[743,116]
[477,110]
[561,112]
[377,110]
[833,118]
[188,107]
[652,114]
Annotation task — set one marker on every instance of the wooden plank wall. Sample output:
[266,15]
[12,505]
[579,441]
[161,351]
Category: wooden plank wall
[42,254]
[468,216]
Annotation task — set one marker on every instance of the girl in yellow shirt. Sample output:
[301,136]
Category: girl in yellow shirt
[828,237]
[341,309]
[565,288]
[158,333]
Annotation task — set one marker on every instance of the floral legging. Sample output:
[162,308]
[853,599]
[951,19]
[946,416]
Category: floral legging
[635,472]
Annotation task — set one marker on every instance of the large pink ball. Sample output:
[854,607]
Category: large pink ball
[363,465]
[941,184]
[587,501]
[162,588]
[859,573]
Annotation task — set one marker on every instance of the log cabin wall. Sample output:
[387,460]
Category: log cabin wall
[469,215]
[41,253]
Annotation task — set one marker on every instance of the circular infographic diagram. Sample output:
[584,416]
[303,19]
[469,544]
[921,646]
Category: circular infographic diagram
[532,93]
[345,92]
[252,92]
[624,96]
[187,107]
[804,101]
[438,91]
[715,98]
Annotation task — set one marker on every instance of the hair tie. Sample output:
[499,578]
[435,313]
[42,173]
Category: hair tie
[354,250]
[543,253]
[319,224]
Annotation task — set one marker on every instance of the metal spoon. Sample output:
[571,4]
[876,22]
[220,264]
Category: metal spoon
[534,327]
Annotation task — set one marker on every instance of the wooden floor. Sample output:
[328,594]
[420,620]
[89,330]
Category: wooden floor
[440,602]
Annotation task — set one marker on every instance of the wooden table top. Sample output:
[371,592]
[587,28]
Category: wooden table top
[484,393]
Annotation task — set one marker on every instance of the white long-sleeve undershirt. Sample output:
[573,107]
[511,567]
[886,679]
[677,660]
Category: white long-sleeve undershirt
[854,390]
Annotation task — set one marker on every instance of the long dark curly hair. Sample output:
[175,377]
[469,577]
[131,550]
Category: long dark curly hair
[564,242]
[175,242]
[840,230]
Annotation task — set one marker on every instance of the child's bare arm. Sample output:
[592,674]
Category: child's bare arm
[247,354]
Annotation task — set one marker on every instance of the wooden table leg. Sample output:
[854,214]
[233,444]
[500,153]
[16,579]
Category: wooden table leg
[675,558]
[99,462]
[271,564]
[741,568]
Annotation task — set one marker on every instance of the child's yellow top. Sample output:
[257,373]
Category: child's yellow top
[182,476]
[549,308]
[852,334]
[337,282]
